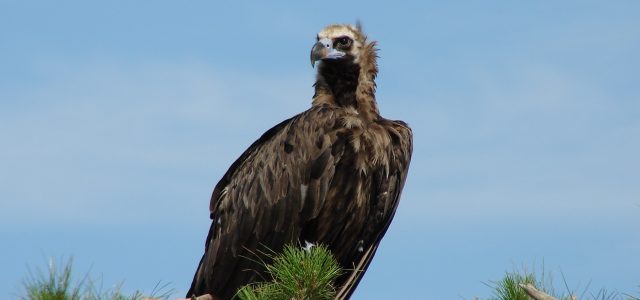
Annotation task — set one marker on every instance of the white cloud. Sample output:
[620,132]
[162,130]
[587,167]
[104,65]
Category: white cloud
[529,141]
[103,140]
[145,140]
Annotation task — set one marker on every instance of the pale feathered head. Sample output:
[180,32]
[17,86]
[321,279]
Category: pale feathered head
[347,70]
[341,42]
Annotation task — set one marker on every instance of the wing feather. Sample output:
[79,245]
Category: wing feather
[255,206]
[386,189]
[297,182]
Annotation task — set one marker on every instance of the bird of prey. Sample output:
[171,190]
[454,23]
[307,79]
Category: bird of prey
[330,175]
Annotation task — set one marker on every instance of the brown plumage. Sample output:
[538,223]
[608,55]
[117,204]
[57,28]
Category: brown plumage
[330,175]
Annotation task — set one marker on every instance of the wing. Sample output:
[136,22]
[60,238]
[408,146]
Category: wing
[386,188]
[264,199]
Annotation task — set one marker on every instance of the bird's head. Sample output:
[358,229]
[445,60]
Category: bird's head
[347,69]
[338,43]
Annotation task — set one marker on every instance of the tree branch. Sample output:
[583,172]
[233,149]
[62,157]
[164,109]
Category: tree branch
[535,293]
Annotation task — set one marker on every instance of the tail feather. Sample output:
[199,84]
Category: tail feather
[197,283]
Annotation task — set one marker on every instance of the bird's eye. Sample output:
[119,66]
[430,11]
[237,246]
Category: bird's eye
[343,42]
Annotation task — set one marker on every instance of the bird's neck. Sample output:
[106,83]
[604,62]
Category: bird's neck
[344,84]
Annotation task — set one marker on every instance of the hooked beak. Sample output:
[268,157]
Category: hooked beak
[323,49]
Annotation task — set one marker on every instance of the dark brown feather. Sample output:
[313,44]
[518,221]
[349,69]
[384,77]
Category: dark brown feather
[331,175]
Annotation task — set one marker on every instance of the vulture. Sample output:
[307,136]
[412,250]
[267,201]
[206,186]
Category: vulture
[330,175]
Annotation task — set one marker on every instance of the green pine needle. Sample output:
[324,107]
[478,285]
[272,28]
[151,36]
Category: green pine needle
[509,287]
[57,284]
[297,274]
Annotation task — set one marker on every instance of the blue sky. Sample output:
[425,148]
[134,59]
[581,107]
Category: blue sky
[116,120]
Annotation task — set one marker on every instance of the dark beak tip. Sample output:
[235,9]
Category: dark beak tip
[317,53]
